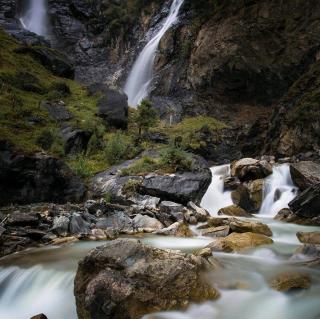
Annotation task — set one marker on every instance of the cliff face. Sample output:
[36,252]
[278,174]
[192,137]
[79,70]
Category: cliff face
[246,62]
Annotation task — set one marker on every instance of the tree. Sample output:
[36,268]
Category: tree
[145,117]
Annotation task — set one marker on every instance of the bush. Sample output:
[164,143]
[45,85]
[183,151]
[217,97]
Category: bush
[81,166]
[116,148]
[62,88]
[45,139]
[131,187]
[176,159]
[142,166]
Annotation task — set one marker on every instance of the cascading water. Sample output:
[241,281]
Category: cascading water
[139,80]
[216,197]
[35,17]
[279,190]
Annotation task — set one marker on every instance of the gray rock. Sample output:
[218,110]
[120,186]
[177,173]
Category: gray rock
[118,221]
[145,201]
[170,207]
[22,219]
[250,169]
[61,225]
[307,204]
[146,278]
[57,110]
[75,141]
[200,213]
[305,174]
[144,221]
[78,225]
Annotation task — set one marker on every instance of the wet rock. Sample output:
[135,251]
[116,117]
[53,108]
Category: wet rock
[64,240]
[2,230]
[231,183]
[146,278]
[255,189]
[217,221]
[61,225]
[221,231]
[113,107]
[92,206]
[100,234]
[200,213]
[118,221]
[234,210]
[78,225]
[287,215]
[309,238]
[145,202]
[241,226]
[170,207]
[57,110]
[35,234]
[144,221]
[177,229]
[250,169]
[305,174]
[237,242]
[307,204]
[41,316]
[21,219]
[290,280]
[241,198]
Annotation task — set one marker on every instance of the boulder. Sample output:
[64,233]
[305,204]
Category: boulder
[290,280]
[250,169]
[78,225]
[51,59]
[144,221]
[200,213]
[22,219]
[234,210]
[57,110]
[309,238]
[41,316]
[145,202]
[126,279]
[307,204]
[237,242]
[61,225]
[117,220]
[241,226]
[177,229]
[170,207]
[241,197]
[255,189]
[75,141]
[216,222]
[305,174]
[287,215]
[113,107]
[37,178]
[221,231]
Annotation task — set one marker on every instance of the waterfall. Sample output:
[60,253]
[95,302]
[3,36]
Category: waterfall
[278,191]
[139,80]
[35,17]
[216,197]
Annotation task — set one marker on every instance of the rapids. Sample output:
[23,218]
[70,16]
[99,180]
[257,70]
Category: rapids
[41,280]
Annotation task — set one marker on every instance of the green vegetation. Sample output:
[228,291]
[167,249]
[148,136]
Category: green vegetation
[131,186]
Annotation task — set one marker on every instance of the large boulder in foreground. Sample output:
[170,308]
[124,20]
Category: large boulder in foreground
[37,178]
[126,279]
[307,204]
[305,174]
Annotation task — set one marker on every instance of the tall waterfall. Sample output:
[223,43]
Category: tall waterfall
[138,83]
[35,17]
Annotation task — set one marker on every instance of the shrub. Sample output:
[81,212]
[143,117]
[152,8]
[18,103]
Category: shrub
[62,88]
[45,139]
[142,166]
[116,148]
[81,166]
[175,159]
[131,187]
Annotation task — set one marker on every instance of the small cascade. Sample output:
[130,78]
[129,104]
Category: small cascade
[279,190]
[139,80]
[216,197]
[35,17]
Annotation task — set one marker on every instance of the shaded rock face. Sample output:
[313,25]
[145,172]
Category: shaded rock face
[305,174]
[307,204]
[37,178]
[126,279]
[287,215]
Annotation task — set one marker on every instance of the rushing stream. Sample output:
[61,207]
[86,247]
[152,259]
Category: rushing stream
[140,77]
[41,280]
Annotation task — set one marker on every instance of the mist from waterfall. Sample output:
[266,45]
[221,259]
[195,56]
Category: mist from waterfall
[35,17]
[138,83]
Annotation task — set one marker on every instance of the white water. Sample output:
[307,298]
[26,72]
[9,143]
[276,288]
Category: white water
[139,80]
[41,280]
[216,197]
[279,190]
[35,17]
